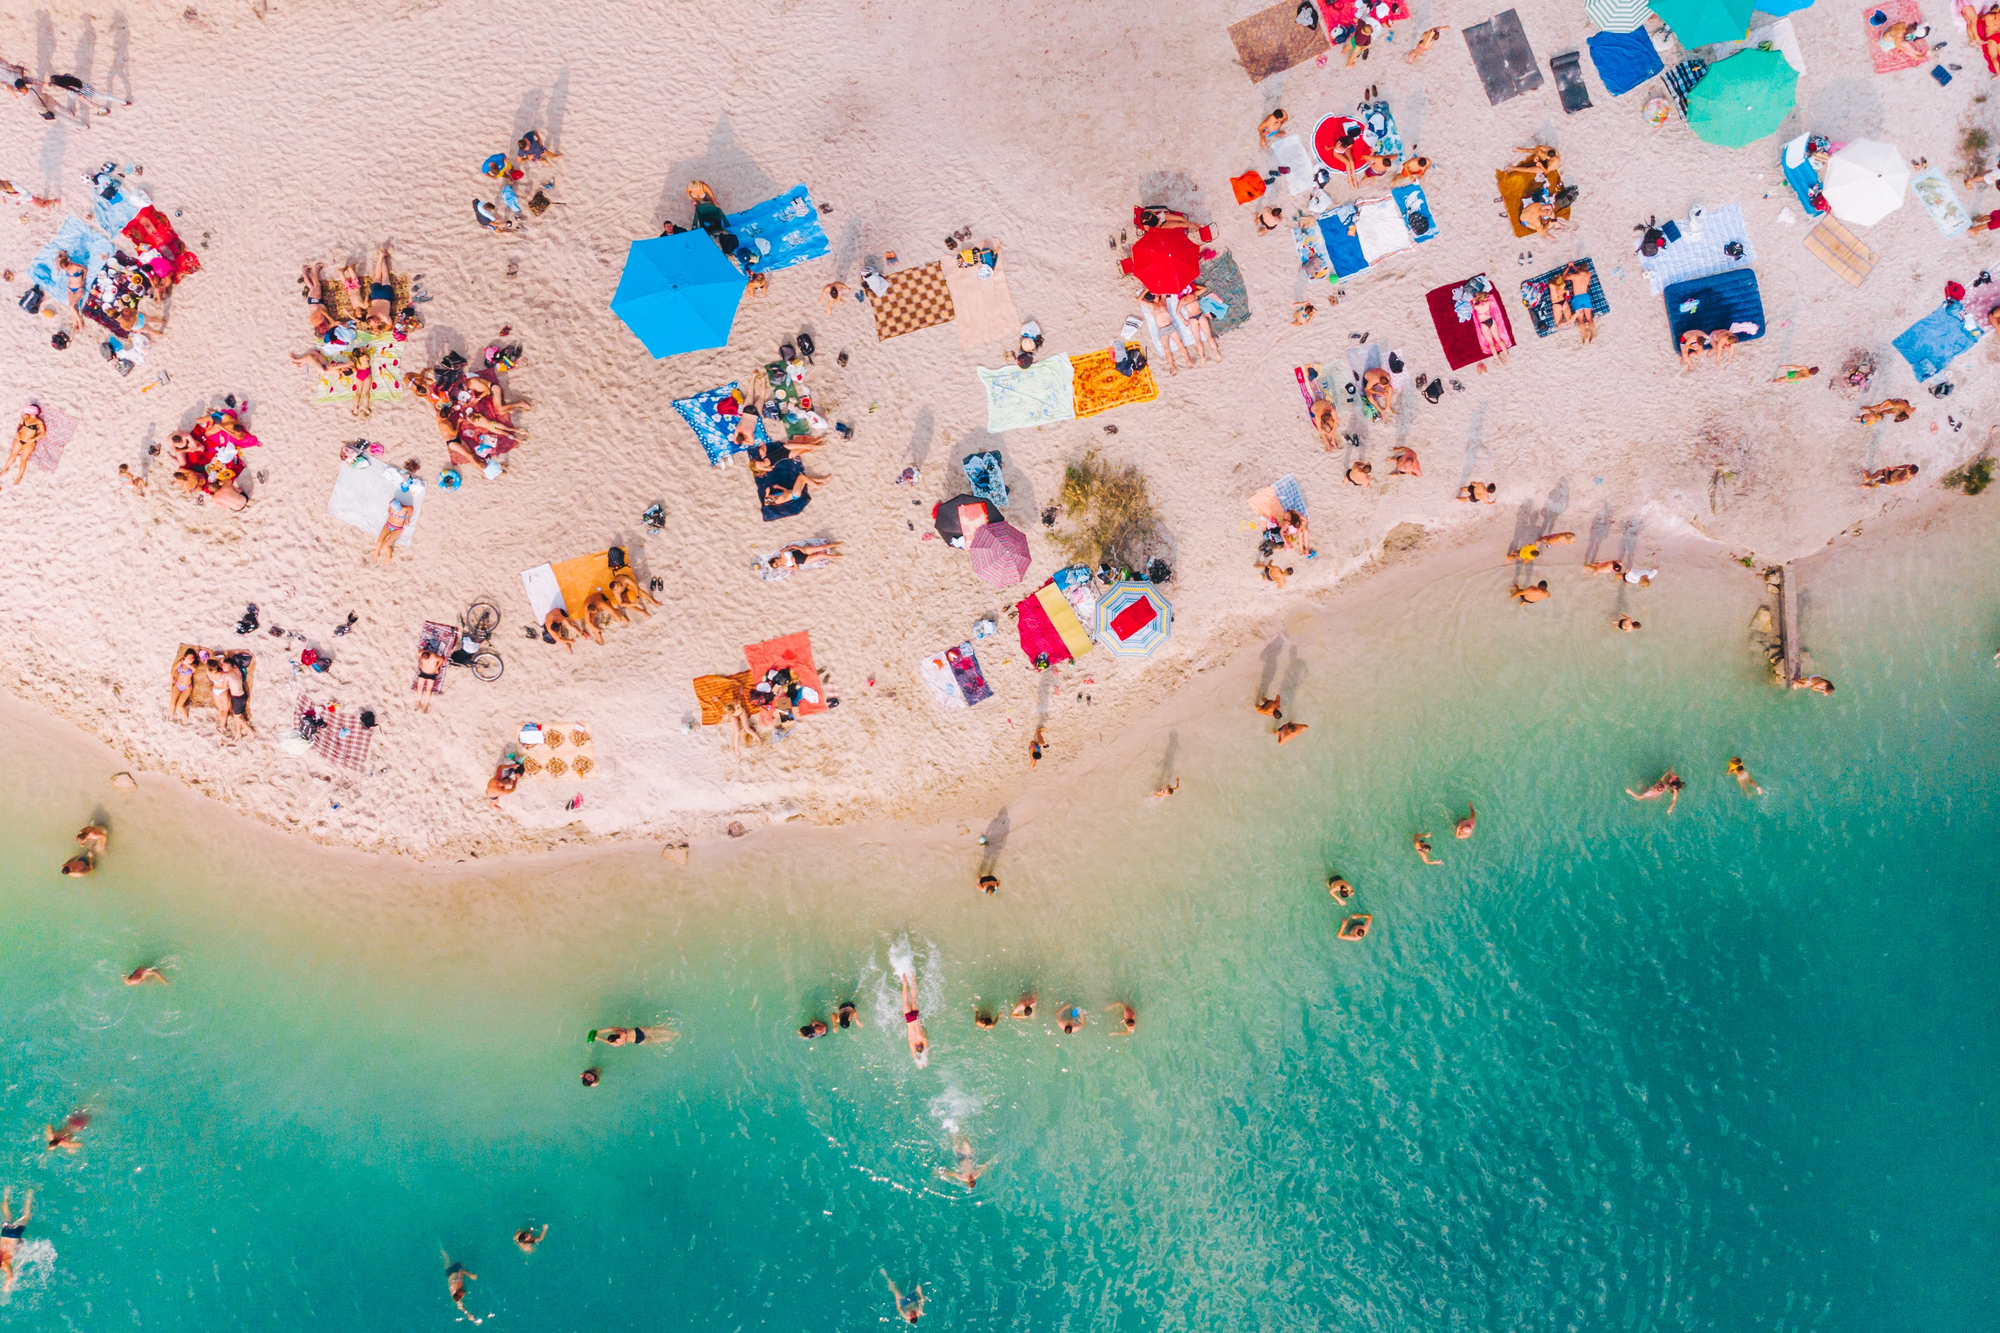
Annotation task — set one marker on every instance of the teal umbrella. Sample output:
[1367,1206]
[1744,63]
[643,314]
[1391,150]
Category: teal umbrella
[1699,22]
[1743,98]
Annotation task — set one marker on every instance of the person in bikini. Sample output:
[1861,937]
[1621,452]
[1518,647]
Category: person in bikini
[913,1026]
[400,511]
[1693,343]
[12,1231]
[809,556]
[75,274]
[183,686]
[1426,42]
[28,436]
[1908,38]
[1669,785]
[1743,778]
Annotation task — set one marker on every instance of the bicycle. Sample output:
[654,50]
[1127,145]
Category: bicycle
[477,626]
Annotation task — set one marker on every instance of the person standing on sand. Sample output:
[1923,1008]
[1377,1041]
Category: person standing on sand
[1743,778]
[913,1027]
[528,1238]
[1625,623]
[1405,459]
[505,778]
[1670,782]
[910,1310]
[1538,593]
[455,1278]
[1422,842]
[989,884]
[1464,829]
[1035,747]
[1289,730]
[1169,789]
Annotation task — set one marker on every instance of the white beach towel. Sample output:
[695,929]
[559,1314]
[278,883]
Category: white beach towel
[361,497]
[1288,150]
[1379,227]
[938,678]
[544,594]
[1016,399]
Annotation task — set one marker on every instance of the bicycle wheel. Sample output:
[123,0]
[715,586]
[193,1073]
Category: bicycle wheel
[487,666]
[481,619]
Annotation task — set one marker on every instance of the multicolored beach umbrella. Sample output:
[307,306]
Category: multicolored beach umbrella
[1743,98]
[1133,619]
[1617,15]
[1000,554]
[679,293]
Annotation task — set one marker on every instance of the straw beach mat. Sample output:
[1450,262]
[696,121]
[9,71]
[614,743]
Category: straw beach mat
[1273,41]
[567,752]
[1837,248]
[917,299]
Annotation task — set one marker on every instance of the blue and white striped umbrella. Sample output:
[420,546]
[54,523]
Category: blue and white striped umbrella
[1617,15]
[1143,639]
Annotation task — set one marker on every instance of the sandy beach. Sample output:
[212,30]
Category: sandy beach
[1039,127]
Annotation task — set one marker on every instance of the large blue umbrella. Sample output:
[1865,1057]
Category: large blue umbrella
[1123,623]
[678,293]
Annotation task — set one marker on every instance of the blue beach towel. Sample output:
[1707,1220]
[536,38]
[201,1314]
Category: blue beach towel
[716,433]
[1342,247]
[789,225]
[83,243]
[1936,340]
[1071,575]
[1381,128]
[1721,300]
[1410,198]
[982,473]
[1624,60]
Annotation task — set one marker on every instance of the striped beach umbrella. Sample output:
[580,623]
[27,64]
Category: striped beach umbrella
[999,554]
[1133,619]
[1617,15]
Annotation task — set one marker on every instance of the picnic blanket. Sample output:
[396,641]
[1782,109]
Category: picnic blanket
[1224,281]
[713,694]
[1722,301]
[202,697]
[1568,71]
[1936,340]
[783,231]
[1624,60]
[1271,503]
[982,471]
[363,491]
[83,243]
[1355,235]
[61,430]
[442,639]
[715,432]
[385,367]
[1501,54]
[566,585]
[936,676]
[1452,317]
[1379,126]
[794,651]
[985,308]
[567,750]
[1694,256]
[1077,589]
[1096,385]
[1515,185]
[1836,247]
[1898,11]
[917,298]
[1941,202]
[1017,399]
[1272,41]
[1541,307]
[342,740]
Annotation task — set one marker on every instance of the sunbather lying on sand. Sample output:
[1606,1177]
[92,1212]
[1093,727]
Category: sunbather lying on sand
[1379,392]
[1361,474]
[1477,492]
[1538,160]
[1151,216]
[75,275]
[1603,567]
[1539,216]
[1487,325]
[806,557]
[1412,170]
[1889,408]
[1577,279]
[400,511]
[1890,476]
[27,437]
[1163,330]
[1198,322]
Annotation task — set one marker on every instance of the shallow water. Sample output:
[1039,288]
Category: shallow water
[1605,1068]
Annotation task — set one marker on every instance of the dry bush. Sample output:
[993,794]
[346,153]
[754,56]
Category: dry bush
[1110,515]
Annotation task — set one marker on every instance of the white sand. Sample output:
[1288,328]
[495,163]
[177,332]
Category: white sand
[306,135]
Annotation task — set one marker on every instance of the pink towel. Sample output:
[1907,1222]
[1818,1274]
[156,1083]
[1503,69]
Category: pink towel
[1898,11]
[62,429]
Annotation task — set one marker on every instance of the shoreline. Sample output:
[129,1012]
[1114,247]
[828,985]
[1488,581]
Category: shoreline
[1119,735]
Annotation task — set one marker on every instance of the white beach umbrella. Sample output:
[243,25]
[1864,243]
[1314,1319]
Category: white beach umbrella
[1617,15]
[1865,181]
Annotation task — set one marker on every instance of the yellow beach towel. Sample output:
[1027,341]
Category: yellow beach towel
[581,577]
[1063,617]
[1098,387]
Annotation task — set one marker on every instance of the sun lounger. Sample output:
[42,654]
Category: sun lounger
[1541,307]
[363,492]
[1721,301]
[1932,343]
[1837,247]
[1272,41]
[1503,58]
[1624,60]
[917,298]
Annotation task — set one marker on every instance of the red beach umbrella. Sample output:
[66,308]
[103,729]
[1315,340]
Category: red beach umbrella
[999,554]
[1166,260]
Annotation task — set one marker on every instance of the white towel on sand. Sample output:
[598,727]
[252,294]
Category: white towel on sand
[361,497]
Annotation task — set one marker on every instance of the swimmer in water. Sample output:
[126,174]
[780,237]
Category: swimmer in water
[1289,730]
[847,1016]
[632,1036]
[455,1278]
[1023,1008]
[1128,1017]
[528,1238]
[1339,889]
[1356,926]
[588,1077]
[1270,707]
[1669,785]
[1743,778]
[139,976]
[816,1028]
[66,1137]
[1464,829]
[92,839]
[1422,842]
[12,1230]
[967,1167]
[913,1025]
[1070,1018]
[983,1020]
[912,1309]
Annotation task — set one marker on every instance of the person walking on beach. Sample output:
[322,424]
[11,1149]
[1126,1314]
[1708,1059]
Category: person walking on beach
[1669,785]
[1272,707]
[505,778]
[913,1026]
[967,1168]
[1035,747]
[1464,828]
[911,1309]
[1743,778]
[1169,789]
[989,884]
[91,838]
[1538,592]
[1625,623]
[12,1230]
[1128,1017]
[528,1238]
[455,1278]
[1422,842]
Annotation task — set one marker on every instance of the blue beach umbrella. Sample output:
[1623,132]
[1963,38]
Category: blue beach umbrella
[1133,619]
[678,293]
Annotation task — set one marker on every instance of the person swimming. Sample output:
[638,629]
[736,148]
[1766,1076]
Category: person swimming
[1128,1017]
[816,1028]
[631,1036]
[1422,842]
[92,838]
[1669,785]
[911,1309]
[65,1139]
[528,1238]
[847,1016]
[1743,778]
[1356,926]
[1339,889]
[983,1020]
[913,1026]
[455,1277]
[966,1167]
[12,1231]
[1023,1007]
[1464,828]
[1070,1018]
[150,972]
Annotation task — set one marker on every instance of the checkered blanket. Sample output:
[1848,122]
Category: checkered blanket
[917,299]
[343,740]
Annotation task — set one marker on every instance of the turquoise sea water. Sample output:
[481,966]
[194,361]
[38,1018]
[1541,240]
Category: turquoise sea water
[1605,1069]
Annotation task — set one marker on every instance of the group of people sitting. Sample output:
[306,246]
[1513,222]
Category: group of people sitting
[510,172]
[775,696]
[228,687]
[1721,344]
[708,216]
[472,412]
[341,344]
[621,593]
[1542,200]
[778,464]
[208,458]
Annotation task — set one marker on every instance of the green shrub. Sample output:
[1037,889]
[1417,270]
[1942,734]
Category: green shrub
[1973,478]
[1110,515]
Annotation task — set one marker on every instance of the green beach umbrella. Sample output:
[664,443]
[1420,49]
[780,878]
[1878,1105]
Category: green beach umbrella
[1743,98]
[1699,22]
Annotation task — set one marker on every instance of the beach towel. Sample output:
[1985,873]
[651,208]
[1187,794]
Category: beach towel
[965,670]
[1541,307]
[1695,256]
[936,675]
[1293,153]
[1624,60]
[202,697]
[1568,71]
[1380,128]
[1379,229]
[1457,334]
[567,751]
[917,298]
[713,694]
[342,740]
[1361,360]
[1272,41]
[1416,212]
[1340,240]
[1516,185]
[794,651]
[1038,636]
[83,243]
[1682,78]
[1062,618]
[1309,240]
[61,430]
[442,639]
[1082,598]
[1898,11]
[544,593]
[783,231]
[1941,202]
[1837,248]
[114,202]
[1018,399]
[1501,54]
[1935,341]
[1800,174]
[714,432]
[784,473]
[385,368]
[982,471]
[579,578]
[985,308]
[1722,301]
[1224,281]
[362,493]
[1096,386]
